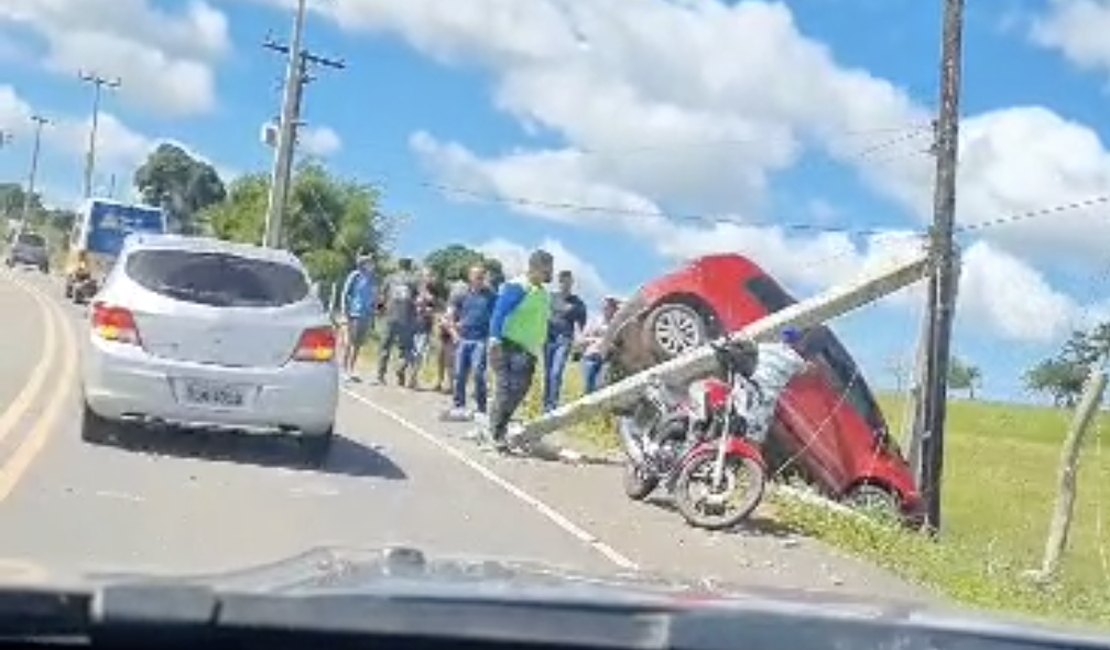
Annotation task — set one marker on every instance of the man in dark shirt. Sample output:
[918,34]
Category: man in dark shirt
[470,313]
[427,301]
[399,294]
[568,318]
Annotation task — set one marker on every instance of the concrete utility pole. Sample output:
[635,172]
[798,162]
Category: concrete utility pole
[298,60]
[98,83]
[29,195]
[944,278]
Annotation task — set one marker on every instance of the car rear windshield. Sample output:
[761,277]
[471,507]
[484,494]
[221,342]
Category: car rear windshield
[31,239]
[217,279]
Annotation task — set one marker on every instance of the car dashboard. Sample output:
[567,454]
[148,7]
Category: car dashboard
[193,616]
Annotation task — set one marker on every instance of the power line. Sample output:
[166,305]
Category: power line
[98,83]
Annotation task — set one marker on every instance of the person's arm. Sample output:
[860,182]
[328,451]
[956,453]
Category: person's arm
[345,295]
[508,299]
[581,317]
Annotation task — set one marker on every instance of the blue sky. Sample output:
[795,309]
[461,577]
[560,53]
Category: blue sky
[736,117]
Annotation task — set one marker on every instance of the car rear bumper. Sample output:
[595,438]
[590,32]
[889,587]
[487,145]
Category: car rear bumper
[123,382]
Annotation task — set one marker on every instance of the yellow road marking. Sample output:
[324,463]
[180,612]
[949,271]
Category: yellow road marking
[17,465]
[26,397]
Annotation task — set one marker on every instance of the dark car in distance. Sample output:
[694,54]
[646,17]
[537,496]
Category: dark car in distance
[829,427]
[29,249]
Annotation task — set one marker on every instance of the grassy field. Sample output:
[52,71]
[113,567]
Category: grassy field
[1000,475]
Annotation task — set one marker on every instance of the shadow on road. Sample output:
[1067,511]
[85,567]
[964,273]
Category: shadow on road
[758,525]
[347,457]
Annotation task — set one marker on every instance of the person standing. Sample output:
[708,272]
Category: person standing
[471,312]
[357,308]
[568,318]
[426,304]
[592,336]
[518,332]
[399,294]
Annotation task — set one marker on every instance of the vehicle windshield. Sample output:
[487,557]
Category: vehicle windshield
[404,272]
[217,279]
[32,239]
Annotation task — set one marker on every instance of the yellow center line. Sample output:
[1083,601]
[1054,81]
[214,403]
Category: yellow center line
[31,390]
[13,470]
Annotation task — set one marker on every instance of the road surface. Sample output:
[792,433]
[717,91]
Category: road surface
[191,504]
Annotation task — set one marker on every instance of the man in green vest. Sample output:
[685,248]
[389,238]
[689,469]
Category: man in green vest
[518,332]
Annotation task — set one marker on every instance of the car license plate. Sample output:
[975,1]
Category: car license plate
[214,394]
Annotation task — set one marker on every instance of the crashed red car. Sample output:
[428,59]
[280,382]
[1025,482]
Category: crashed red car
[829,427]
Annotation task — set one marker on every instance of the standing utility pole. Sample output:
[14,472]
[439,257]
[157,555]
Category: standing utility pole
[296,76]
[29,195]
[98,83]
[943,280]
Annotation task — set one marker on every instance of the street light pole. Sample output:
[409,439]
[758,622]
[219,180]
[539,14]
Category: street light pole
[29,195]
[283,156]
[98,83]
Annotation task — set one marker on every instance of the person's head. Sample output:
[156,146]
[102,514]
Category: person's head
[365,263]
[405,264]
[609,307]
[476,276]
[429,276]
[541,267]
[791,336]
[565,281]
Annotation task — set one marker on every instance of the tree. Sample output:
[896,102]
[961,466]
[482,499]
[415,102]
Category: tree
[12,196]
[328,222]
[181,184]
[453,262]
[964,376]
[1059,378]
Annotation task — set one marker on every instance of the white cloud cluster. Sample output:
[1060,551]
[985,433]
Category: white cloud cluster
[164,58]
[1077,29]
[646,129]
[319,141]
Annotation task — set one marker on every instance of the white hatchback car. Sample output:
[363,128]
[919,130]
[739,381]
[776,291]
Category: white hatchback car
[204,333]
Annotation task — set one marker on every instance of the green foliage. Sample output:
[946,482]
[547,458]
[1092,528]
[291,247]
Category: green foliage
[329,221]
[453,262]
[182,185]
[964,376]
[12,197]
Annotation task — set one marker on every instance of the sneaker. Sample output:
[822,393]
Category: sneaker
[480,417]
[456,414]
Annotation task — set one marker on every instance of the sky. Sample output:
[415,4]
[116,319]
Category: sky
[629,136]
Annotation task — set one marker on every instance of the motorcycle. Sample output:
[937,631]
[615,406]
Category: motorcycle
[697,440]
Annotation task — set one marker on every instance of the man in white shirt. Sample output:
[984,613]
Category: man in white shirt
[779,362]
[592,336]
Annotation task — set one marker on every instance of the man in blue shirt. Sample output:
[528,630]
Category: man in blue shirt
[568,319]
[470,313]
[357,307]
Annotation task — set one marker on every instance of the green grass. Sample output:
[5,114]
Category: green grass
[1000,477]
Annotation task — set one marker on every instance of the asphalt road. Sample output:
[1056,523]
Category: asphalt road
[192,504]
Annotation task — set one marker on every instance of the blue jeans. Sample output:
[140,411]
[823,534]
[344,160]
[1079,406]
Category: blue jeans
[470,354]
[591,371]
[555,355]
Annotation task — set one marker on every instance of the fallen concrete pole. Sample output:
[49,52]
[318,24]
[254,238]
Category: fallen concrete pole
[699,363]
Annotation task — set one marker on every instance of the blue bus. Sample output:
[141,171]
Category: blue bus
[97,238]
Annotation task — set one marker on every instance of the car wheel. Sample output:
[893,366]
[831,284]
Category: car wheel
[95,429]
[674,329]
[317,446]
[874,501]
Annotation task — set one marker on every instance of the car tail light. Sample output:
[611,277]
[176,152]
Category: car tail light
[316,344]
[114,324]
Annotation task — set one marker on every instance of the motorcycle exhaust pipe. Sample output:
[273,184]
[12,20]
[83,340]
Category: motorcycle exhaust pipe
[630,436]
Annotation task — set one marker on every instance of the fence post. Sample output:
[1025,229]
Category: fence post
[1060,526]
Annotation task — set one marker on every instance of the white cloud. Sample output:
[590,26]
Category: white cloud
[165,59]
[645,128]
[514,259]
[320,141]
[1077,29]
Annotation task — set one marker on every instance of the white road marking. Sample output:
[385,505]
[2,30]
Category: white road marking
[539,506]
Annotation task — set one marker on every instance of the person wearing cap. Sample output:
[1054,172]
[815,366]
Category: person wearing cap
[518,333]
[357,311]
[399,294]
[590,342]
[778,364]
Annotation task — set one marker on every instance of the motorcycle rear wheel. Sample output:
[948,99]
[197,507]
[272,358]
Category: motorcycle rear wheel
[639,482]
[699,472]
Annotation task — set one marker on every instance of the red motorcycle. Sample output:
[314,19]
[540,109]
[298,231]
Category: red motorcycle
[696,444]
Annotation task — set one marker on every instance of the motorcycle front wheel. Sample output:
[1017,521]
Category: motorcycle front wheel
[704,505]
[639,481]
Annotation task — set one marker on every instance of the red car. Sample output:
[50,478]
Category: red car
[829,424]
